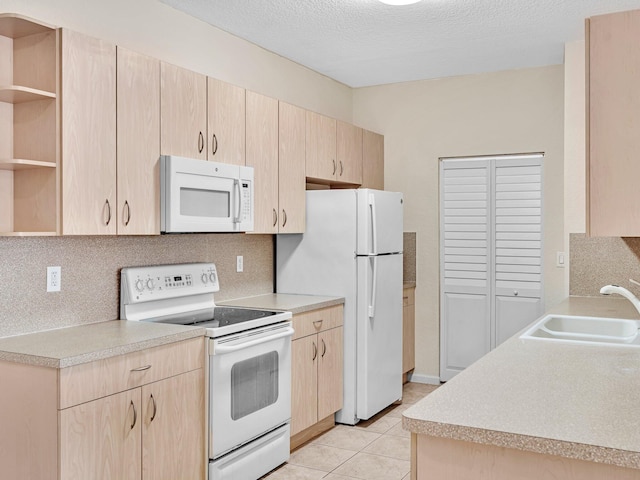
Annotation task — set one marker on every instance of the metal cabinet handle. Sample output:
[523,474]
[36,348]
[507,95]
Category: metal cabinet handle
[315,351]
[341,168]
[155,408]
[108,205]
[284,217]
[128,212]
[275,217]
[200,142]
[140,369]
[135,415]
[335,166]
[324,348]
[214,144]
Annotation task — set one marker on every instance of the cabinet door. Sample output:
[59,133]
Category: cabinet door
[304,383]
[101,439]
[320,149]
[173,428]
[226,122]
[372,160]
[138,147]
[408,331]
[88,135]
[349,153]
[330,367]
[613,75]
[513,314]
[291,167]
[262,155]
[183,110]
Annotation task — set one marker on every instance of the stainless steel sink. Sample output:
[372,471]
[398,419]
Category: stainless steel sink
[577,329]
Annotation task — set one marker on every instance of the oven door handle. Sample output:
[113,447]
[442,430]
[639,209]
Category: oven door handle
[221,349]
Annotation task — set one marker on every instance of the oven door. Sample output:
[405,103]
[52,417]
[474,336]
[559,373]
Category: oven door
[249,386]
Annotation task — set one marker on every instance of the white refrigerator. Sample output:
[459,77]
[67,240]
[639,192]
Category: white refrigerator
[352,248]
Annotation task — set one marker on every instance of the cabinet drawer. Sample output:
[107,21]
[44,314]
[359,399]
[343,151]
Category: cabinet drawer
[408,296]
[315,321]
[88,381]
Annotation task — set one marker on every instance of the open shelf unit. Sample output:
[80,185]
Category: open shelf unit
[29,136]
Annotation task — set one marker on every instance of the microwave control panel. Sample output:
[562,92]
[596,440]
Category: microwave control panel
[246,200]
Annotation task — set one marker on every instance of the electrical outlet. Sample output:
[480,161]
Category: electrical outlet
[54,279]
[239,263]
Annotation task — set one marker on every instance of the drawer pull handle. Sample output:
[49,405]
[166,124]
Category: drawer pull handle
[135,415]
[315,351]
[324,348]
[405,298]
[318,323]
[141,369]
[155,408]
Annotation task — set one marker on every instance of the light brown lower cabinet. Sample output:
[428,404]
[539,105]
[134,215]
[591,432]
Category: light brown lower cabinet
[408,329]
[131,417]
[316,372]
[435,458]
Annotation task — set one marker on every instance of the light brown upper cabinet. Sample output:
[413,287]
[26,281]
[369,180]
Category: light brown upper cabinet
[29,140]
[183,110]
[226,127]
[138,144]
[88,135]
[291,169]
[372,160]
[320,154]
[262,155]
[613,124]
[349,153]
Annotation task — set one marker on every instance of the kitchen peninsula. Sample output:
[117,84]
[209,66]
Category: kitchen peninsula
[536,409]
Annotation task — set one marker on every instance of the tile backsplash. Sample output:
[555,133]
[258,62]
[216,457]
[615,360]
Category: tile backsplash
[409,257]
[91,273]
[598,261]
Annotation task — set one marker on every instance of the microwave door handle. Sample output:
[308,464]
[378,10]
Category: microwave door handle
[220,349]
[236,183]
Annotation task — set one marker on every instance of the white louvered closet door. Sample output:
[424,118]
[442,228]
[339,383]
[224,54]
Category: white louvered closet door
[465,264]
[517,265]
[491,254]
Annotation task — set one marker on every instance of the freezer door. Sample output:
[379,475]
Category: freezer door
[379,222]
[379,333]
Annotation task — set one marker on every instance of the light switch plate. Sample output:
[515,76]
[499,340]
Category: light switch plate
[560,259]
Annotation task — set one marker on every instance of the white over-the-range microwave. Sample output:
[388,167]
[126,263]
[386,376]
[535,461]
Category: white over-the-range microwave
[201,196]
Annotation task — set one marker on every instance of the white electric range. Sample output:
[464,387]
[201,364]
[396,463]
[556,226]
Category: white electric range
[249,352]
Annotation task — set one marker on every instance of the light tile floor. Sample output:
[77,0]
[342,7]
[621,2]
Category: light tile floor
[378,449]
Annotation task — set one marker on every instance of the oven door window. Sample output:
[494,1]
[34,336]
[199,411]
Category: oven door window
[254,384]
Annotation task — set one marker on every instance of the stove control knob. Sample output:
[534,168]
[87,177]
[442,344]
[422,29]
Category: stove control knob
[212,277]
[139,285]
[150,284]
[204,278]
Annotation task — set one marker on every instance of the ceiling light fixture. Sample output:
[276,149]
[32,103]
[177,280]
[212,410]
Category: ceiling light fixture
[400,2]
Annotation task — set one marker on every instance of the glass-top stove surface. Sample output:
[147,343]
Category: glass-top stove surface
[221,317]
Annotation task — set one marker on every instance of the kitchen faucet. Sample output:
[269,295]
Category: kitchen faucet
[609,289]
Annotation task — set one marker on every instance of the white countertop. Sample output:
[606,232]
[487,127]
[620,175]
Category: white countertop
[576,401]
[285,302]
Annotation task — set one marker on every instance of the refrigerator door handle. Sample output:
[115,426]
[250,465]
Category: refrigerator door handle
[374,225]
[374,287]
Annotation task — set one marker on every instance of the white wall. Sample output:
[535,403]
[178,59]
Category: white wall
[153,28]
[496,113]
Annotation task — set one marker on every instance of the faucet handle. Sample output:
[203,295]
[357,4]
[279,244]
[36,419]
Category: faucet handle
[634,282]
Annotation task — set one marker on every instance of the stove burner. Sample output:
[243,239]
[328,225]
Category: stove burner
[221,317]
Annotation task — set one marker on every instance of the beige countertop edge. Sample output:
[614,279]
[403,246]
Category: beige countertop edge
[285,302]
[545,446]
[70,361]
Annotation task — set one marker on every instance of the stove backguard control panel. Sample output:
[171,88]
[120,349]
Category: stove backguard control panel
[145,284]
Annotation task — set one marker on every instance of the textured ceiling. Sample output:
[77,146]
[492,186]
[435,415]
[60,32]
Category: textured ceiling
[364,42]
